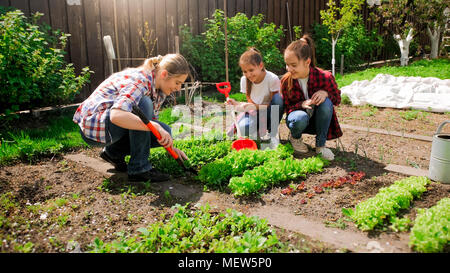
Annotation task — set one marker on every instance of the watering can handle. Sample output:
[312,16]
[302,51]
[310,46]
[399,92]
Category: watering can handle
[224,88]
[442,126]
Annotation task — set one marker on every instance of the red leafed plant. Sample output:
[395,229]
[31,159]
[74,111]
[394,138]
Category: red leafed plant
[352,178]
[292,189]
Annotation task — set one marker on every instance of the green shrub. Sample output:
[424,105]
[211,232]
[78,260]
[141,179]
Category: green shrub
[357,44]
[33,72]
[207,51]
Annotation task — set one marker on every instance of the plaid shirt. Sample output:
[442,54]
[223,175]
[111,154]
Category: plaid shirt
[120,91]
[318,80]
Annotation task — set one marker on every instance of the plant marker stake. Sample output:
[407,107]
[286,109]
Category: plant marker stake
[137,111]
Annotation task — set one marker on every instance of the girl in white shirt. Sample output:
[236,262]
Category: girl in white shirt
[264,107]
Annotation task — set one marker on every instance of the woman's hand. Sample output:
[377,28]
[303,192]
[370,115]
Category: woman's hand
[319,97]
[307,104]
[180,153]
[166,140]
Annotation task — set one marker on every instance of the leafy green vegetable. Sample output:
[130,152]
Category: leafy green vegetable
[217,174]
[199,151]
[385,205]
[430,232]
[273,172]
[198,231]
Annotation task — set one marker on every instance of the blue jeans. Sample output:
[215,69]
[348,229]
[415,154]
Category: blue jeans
[249,124]
[299,122]
[121,142]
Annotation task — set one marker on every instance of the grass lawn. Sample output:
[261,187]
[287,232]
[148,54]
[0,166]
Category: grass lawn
[439,68]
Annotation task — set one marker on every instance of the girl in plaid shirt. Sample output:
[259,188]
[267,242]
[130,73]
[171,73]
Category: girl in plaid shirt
[309,94]
[105,117]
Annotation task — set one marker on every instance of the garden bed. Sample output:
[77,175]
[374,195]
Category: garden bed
[60,205]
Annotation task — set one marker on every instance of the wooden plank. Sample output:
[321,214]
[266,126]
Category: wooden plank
[295,14]
[137,31]
[220,4]
[256,5]
[58,17]
[193,16]
[212,6]
[410,171]
[172,23]
[123,27]
[23,5]
[270,11]
[386,132]
[240,6]
[4,3]
[248,7]
[307,14]
[276,10]
[77,40]
[231,8]
[183,12]
[161,27]
[263,9]
[107,28]
[202,14]
[94,41]
[149,17]
[42,7]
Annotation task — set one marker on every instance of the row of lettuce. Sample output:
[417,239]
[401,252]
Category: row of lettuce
[430,232]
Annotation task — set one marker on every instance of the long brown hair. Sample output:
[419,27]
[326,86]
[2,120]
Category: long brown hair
[251,56]
[304,49]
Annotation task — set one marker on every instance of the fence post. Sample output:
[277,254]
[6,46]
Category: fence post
[342,65]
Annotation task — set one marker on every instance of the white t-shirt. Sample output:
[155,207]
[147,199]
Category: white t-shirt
[260,93]
[304,84]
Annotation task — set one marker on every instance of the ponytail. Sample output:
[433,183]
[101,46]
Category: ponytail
[175,64]
[304,49]
[153,63]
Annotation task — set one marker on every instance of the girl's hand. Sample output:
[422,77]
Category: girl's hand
[319,97]
[231,102]
[307,104]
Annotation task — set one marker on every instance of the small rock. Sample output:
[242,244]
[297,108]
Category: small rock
[374,247]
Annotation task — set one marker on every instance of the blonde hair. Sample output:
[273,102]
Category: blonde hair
[175,64]
[253,57]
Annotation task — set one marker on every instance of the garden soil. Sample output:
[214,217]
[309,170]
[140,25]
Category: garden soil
[84,199]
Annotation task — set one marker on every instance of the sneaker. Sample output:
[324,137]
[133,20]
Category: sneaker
[298,145]
[119,165]
[325,153]
[274,142]
[153,175]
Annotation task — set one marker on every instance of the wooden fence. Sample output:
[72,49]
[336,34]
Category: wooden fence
[124,20]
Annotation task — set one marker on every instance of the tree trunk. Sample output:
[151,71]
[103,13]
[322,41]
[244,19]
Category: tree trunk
[333,57]
[404,46]
[434,38]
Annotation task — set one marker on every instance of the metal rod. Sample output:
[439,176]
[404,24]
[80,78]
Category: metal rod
[226,41]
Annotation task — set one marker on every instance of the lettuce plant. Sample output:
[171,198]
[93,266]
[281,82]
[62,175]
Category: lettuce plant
[272,173]
[217,173]
[388,201]
[430,232]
